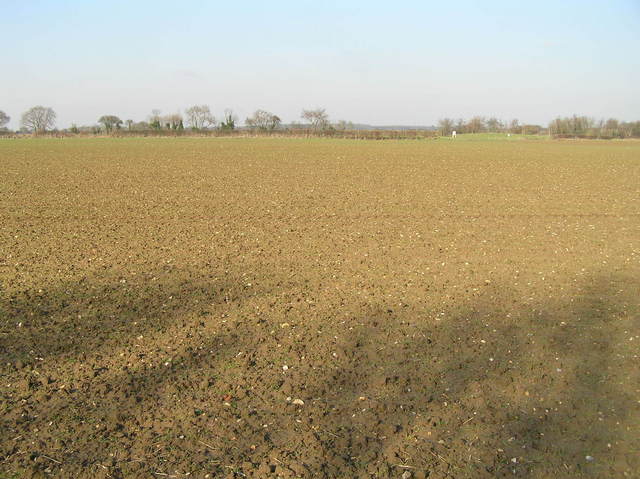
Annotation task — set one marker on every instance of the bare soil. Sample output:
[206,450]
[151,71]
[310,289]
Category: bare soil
[319,308]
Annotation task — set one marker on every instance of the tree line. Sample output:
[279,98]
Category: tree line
[562,127]
[585,127]
[40,119]
[480,124]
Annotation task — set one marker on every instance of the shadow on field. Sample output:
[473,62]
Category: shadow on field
[99,313]
[480,395]
[84,358]
[496,387]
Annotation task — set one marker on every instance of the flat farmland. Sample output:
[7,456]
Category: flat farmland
[319,308]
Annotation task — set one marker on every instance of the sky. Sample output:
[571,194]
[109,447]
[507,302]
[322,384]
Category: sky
[373,62]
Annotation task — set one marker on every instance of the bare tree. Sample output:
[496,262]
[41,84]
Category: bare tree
[611,128]
[514,126]
[263,120]
[578,126]
[110,122]
[173,122]
[494,125]
[199,117]
[476,124]
[4,119]
[318,118]
[39,119]
[446,126]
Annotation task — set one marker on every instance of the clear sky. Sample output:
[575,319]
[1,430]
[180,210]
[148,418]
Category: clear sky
[376,62]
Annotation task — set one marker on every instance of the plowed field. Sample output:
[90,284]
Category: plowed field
[319,308]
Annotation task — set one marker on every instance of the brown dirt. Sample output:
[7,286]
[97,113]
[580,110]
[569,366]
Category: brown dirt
[446,309]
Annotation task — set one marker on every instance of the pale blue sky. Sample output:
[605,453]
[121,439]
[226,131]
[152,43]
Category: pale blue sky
[376,62]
